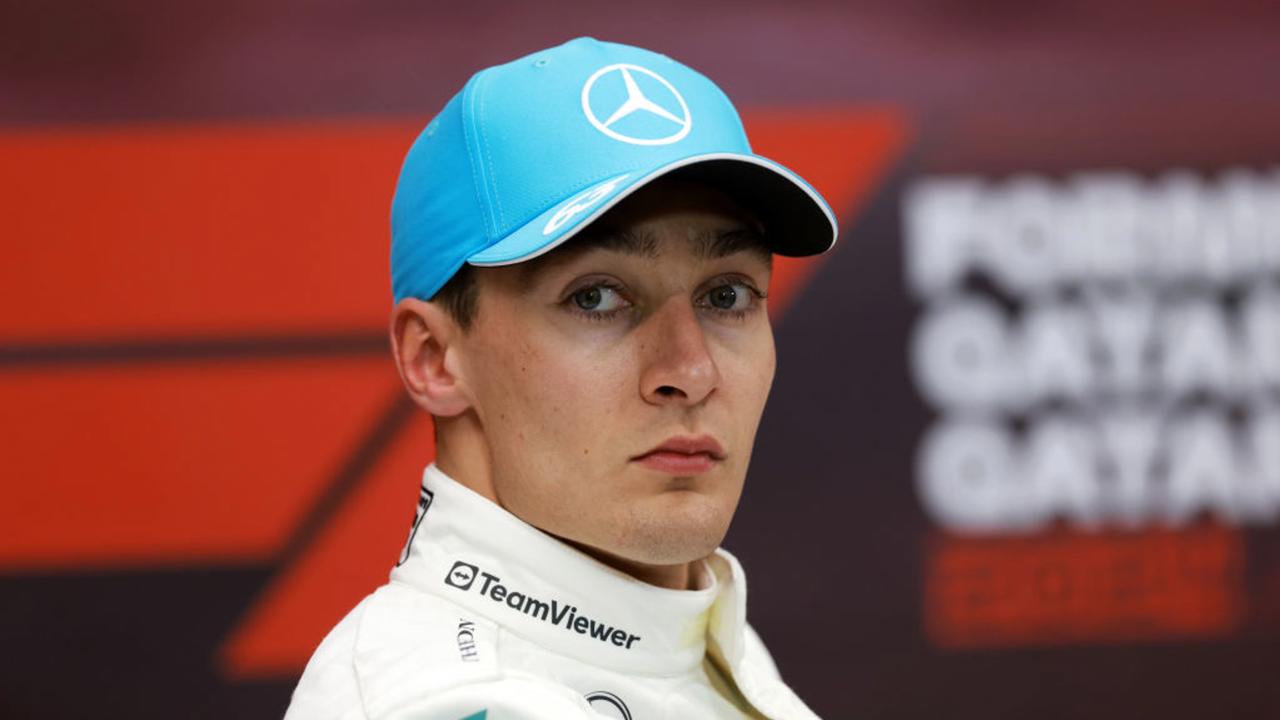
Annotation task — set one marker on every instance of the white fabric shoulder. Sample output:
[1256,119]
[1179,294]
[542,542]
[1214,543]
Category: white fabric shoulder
[328,689]
[759,678]
[405,655]
[758,654]
[511,698]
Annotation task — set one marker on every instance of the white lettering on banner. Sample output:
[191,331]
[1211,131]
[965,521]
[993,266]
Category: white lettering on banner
[1261,332]
[1124,327]
[977,476]
[960,355]
[1029,234]
[966,481]
[1121,363]
[1056,362]
[966,355]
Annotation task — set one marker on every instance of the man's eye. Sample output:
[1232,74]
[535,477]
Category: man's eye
[730,297]
[597,298]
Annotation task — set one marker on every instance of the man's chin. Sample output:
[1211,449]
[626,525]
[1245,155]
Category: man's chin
[667,540]
[684,527]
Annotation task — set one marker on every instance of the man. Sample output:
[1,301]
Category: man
[581,245]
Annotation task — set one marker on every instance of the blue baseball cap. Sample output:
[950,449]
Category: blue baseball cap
[530,152]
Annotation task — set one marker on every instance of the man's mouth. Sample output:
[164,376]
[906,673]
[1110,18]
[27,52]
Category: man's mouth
[683,455]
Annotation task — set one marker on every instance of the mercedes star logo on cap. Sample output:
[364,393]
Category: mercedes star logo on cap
[673,112]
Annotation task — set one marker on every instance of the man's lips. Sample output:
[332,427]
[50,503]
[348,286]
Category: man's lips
[683,455]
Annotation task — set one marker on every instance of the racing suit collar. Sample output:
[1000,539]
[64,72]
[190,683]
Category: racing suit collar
[473,553]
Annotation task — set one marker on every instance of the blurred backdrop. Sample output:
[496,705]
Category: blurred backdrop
[1022,457]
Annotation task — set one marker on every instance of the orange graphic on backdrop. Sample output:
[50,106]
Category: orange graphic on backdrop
[1076,587]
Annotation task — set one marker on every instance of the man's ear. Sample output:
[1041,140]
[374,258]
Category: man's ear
[422,337]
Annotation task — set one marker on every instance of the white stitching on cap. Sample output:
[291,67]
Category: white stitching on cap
[469,133]
[501,220]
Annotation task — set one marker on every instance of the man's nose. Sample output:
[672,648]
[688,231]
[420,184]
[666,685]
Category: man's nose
[678,367]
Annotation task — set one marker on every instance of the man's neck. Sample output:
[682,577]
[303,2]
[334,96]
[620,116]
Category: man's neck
[681,576]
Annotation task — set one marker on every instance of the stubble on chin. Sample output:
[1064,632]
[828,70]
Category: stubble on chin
[670,530]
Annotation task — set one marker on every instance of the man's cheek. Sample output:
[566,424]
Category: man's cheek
[749,379]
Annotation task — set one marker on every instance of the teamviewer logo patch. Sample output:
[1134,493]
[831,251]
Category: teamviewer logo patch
[461,575]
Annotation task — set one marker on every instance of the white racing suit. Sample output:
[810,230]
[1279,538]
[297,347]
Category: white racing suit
[488,618]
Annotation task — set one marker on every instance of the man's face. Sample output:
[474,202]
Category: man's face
[619,380]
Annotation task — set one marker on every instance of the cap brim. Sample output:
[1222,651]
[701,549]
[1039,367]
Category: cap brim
[797,220]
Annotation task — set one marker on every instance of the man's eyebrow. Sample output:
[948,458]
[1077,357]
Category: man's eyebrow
[623,240]
[713,244]
[706,246]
